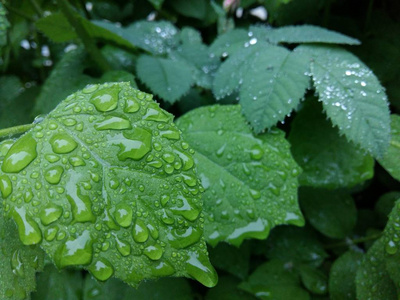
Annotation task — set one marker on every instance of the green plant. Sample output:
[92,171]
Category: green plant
[267,176]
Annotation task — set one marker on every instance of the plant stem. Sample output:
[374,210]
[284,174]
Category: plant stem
[8,132]
[36,6]
[87,40]
[355,241]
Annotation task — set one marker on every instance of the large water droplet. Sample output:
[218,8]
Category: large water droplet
[131,105]
[171,134]
[391,247]
[62,143]
[53,175]
[123,214]
[50,213]
[5,186]
[154,113]
[182,238]
[114,123]
[134,145]
[199,267]
[105,99]
[185,208]
[28,229]
[123,247]
[258,229]
[163,269]
[256,152]
[140,232]
[17,264]
[20,155]
[187,160]
[154,252]
[102,269]
[76,251]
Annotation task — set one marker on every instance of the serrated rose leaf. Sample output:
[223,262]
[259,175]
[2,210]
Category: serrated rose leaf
[106,183]
[250,181]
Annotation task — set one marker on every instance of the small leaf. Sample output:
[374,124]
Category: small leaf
[390,161]
[228,43]
[352,96]
[342,285]
[313,279]
[250,182]
[53,284]
[328,160]
[305,34]
[295,245]
[275,280]
[167,78]
[18,263]
[332,213]
[372,280]
[162,289]
[227,289]
[231,259]
[107,185]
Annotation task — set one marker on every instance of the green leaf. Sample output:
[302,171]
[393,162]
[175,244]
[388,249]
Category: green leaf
[193,9]
[230,42]
[333,213]
[162,289]
[4,25]
[328,160]
[189,35]
[167,78]
[156,3]
[227,289]
[313,279]
[390,161]
[352,96]
[58,29]
[372,280]
[304,34]
[231,259]
[53,284]
[154,37]
[250,182]
[275,280]
[342,285]
[108,185]
[295,245]
[384,206]
[18,263]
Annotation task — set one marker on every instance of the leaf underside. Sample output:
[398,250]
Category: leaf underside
[250,182]
[105,182]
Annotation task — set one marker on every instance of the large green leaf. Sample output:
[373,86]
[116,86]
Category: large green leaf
[271,80]
[106,183]
[342,284]
[250,182]
[315,280]
[55,285]
[275,280]
[333,213]
[227,289]
[304,34]
[390,161]
[167,78]
[18,263]
[328,160]
[58,29]
[162,289]
[372,280]
[352,96]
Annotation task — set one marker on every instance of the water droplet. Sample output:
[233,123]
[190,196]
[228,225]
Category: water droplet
[171,134]
[20,155]
[76,251]
[114,123]
[50,233]
[154,113]
[123,247]
[105,99]
[258,229]
[256,152]
[187,160]
[131,105]
[5,186]
[391,247]
[134,145]
[168,157]
[50,213]
[184,208]
[101,269]
[154,252]
[182,238]
[51,158]
[53,174]
[62,143]
[255,194]
[28,229]
[140,232]
[199,267]
[162,269]
[123,214]
[76,161]
[17,264]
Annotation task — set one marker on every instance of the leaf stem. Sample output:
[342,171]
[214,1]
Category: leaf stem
[8,132]
[87,40]
[350,242]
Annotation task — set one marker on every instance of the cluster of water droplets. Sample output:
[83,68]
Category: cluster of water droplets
[250,183]
[106,182]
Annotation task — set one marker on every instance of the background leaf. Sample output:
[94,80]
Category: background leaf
[352,96]
[390,161]
[328,160]
[227,289]
[234,167]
